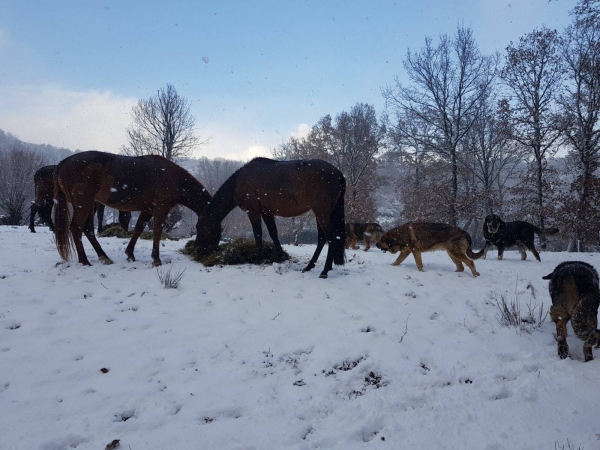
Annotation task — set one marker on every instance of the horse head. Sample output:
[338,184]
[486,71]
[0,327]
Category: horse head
[208,235]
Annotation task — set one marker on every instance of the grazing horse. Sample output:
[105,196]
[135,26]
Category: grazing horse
[44,192]
[267,188]
[149,184]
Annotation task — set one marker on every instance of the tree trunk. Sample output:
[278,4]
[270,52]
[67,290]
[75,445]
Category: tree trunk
[453,200]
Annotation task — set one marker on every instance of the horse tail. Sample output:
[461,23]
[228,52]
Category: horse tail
[338,229]
[62,221]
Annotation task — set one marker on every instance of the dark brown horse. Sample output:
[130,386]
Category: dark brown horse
[149,184]
[267,188]
[44,193]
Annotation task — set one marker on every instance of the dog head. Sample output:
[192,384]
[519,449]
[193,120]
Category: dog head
[374,231]
[388,244]
[492,223]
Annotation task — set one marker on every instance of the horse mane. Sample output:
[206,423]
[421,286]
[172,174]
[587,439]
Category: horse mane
[222,202]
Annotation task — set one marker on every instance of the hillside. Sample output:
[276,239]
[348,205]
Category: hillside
[268,357]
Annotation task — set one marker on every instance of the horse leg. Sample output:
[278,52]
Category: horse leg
[160,215]
[257,230]
[143,219]
[320,243]
[45,213]
[32,217]
[81,210]
[124,219]
[100,213]
[272,228]
[323,223]
[89,233]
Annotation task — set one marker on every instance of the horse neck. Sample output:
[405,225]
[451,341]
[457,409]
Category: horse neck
[223,201]
[194,195]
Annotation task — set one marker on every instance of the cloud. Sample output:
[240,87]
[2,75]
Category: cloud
[239,144]
[302,131]
[82,120]
[97,120]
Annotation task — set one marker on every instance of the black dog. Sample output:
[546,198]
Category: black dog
[506,234]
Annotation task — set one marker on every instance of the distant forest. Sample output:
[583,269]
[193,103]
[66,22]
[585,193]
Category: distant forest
[515,133]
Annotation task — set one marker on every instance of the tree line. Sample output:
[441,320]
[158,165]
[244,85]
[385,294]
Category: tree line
[463,134]
[472,134]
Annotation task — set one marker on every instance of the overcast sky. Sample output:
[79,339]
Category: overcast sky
[257,72]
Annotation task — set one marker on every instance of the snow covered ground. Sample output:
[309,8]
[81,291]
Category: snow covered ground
[266,357]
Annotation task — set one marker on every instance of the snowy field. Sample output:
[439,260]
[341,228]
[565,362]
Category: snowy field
[266,357]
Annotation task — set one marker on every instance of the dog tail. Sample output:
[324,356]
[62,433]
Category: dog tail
[470,252]
[543,232]
[584,321]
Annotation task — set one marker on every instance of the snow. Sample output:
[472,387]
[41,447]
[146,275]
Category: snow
[266,357]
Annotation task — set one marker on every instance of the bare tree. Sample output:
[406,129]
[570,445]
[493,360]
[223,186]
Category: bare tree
[212,173]
[17,167]
[350,142]
[533,73]
[580,105]
[447,84]
[355,141]
[162,125]
[494,156]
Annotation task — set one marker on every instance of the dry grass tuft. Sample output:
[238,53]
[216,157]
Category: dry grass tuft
[239,251]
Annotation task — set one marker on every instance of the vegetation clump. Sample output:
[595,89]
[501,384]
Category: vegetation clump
[238,251]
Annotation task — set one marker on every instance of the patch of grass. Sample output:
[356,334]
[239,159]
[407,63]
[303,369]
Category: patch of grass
[168,278]
[569,446]
[509,314]
[115,230]
[238,251]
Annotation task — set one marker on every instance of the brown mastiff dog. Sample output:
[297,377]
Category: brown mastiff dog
[418,237]
[362,232]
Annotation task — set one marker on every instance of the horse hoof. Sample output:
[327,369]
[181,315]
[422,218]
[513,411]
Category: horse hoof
[156,263]
[323,275]
[106,260]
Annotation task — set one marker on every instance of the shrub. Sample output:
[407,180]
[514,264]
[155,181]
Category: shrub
[510,313]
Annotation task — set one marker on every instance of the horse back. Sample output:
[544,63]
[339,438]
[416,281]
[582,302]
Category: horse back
[288,188]
[117,179]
